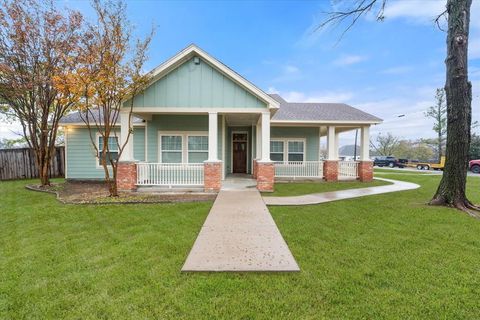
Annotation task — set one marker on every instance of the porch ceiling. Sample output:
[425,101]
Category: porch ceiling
[241,119]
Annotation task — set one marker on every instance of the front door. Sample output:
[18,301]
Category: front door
[239,152]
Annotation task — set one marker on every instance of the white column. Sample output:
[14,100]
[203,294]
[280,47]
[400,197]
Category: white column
[331,153]
[212,136]
[365,143]
[337,144]
[265,136]
[125,127]
[258,136]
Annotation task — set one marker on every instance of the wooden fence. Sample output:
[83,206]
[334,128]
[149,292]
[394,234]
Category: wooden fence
[20,164]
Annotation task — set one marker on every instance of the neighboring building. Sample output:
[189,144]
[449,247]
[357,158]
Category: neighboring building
[199,121]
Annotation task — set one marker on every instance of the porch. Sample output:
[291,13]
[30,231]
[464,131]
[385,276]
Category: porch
[197,151]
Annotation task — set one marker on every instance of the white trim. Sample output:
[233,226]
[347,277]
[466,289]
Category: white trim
[223,147]
[66,152]
[285,147]
[191,51]
[97,140]
[336,122]
[146,142]
[195,110]
[184,135]
[212,137]
[82,124]
[231,150]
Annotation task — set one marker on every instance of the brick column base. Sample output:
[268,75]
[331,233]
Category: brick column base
[127,175]
[365,171]
[330,170]
[265,176]
[254,169]
[212,176]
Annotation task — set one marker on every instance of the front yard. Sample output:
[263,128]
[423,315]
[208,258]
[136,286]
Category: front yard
[386,256]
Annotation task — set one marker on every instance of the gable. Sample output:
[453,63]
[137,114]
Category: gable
[201,85]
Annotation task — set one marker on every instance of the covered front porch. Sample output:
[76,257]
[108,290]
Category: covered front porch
[198,150]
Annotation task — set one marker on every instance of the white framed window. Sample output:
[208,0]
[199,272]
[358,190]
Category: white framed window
[183,147]
[112,153]
[171,148]
[197,149]
[296,150]
[286,149]
[277,148]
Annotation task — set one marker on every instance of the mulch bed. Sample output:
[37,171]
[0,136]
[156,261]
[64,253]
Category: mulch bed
[89,192]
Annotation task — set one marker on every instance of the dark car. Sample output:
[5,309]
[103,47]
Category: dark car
[388,162]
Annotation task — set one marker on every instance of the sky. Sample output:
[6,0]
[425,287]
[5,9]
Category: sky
[385,68]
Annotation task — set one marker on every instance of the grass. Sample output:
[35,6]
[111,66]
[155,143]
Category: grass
[301,188]
[381,257]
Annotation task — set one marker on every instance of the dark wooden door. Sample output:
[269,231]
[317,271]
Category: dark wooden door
[239,157]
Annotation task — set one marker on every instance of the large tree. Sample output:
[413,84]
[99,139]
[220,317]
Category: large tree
[385,145]
[38,48]
[458,89]
[438,113]
[110,73]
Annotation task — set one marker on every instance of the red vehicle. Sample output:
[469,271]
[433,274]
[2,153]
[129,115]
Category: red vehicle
[474,166]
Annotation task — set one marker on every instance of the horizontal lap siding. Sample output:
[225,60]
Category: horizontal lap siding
[310,134]
[81,157]
[196,86]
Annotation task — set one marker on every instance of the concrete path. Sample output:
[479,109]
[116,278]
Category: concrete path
[239,234]
[316,198]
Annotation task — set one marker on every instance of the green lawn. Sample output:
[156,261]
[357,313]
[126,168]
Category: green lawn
[296,189]
[380,257]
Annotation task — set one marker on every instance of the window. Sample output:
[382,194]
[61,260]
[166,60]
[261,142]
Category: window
[197,149]
[183,147]
[295,150]
[112,153]
[276,150]
[171,149]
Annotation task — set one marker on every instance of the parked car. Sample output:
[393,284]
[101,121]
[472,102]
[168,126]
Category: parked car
[474,166]
[387,162]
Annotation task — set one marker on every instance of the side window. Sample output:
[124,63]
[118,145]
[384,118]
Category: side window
[276,150]
[171,149]
[112,153]
[295,150]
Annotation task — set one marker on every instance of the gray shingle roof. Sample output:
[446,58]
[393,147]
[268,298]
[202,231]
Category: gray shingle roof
[304,111]
[76,117]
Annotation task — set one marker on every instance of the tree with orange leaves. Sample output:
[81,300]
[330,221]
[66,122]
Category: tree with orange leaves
[109,74]
[38,52]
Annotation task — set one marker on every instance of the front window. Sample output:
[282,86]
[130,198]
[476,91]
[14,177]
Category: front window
[197,149]
[276,150]
[295,150]
[171,149]
[112,153]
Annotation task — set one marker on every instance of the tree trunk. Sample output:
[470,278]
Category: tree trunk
[439,145]
[451,190]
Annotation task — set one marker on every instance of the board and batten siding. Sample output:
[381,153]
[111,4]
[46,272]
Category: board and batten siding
[81,157]
[196,86]
[310,134]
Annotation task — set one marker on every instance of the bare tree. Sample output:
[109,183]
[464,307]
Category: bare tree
[38,48]
[385,145]
[451,190]
[110,74]
[438,113]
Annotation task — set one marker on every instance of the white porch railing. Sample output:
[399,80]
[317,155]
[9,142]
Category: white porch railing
[170,174]
[299,169]
[348,169]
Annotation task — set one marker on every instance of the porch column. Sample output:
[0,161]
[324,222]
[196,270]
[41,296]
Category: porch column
[330,166]
[125,127]
[126,167]
[212,171]
[265,168]
[266,136]
[337,145]
[212,136]
[365,166]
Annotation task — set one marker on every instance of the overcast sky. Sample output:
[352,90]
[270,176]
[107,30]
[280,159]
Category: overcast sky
[384,68]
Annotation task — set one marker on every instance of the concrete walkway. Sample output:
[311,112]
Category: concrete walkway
[239,234]
[316,198]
